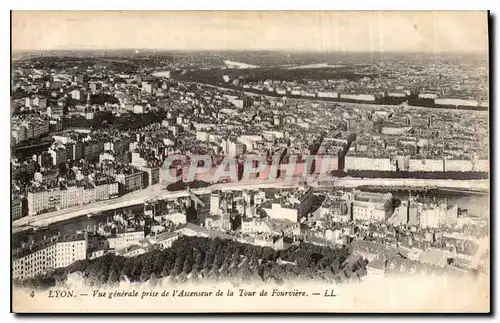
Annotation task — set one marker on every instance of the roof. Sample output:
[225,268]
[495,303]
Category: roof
[284,239]
[432,256]
[377,263]
[220,235]
[193,227]
[22,252]
[132,248]
[164,236]
[279,224]
[373,247]
[318,241]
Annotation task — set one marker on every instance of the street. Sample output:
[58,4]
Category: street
[155,192]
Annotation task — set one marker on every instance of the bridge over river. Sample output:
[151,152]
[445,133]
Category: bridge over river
[156,192]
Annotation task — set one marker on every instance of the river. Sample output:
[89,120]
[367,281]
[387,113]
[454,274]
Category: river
[81,223]
[67,227]
[476,204]
[484,112]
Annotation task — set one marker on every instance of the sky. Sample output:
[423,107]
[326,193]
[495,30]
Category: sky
[362,31]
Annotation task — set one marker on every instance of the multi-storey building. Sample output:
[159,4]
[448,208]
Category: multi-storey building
[151,175]
[367,163]
[71,195]
[77,94]
[115,157]
[92,150]
[371,206]
[164,239]
[89,194]
[75,150]
[113,189]
[36,128]
[233,148]
[126,238]
[38,200]
[147,87]
[435,216]
[426,165]
[16,207]
[249,226]
[305,202]
[458,165]
[55,253]
[69,250]
[121,145]
[131,180]
[293,208]
[214,203]
[58,154]
[18,133]
[54,198]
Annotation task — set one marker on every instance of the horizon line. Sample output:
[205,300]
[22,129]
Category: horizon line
[14,51]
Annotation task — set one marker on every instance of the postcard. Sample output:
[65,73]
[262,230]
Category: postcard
[250,161]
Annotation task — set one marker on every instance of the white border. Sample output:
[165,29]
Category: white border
[198,5]
[254,5]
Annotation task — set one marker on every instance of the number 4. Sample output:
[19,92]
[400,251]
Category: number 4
[32,293]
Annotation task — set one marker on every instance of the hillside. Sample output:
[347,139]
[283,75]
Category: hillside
[196,258]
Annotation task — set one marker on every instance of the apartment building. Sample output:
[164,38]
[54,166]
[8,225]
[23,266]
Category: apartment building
[371,206]
[126,238]
[131,180]
[57,252]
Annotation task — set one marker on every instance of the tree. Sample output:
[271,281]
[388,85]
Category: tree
[215,259]
[267,253]
[188,263]
[210,255]
[147,268]
[114,273]
[191,215]
[235,258]
[166,270]
[218,258]
[127,268]
[179,265]
[199,259]
[137,268]
[101,271]
[244,271]
[158,263]
[79,265]
[236,222]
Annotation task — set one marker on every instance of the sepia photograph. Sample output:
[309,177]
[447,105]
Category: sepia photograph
[250,161]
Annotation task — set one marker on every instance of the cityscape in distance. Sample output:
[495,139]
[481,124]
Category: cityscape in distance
[171,167]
